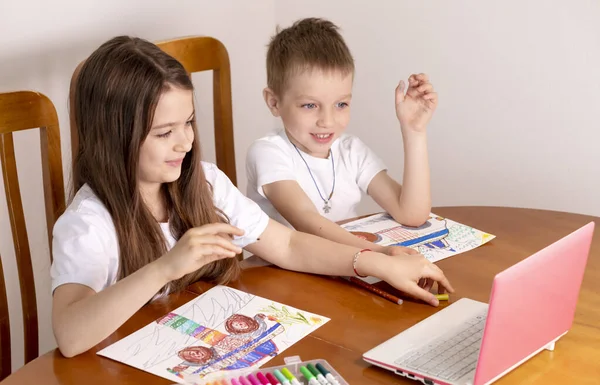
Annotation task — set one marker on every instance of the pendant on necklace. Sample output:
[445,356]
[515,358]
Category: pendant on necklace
[326,207]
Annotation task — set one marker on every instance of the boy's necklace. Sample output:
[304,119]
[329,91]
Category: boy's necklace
[326,202]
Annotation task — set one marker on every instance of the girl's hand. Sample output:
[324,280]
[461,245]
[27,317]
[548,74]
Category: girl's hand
[199,246]
[415,275]
[399,250]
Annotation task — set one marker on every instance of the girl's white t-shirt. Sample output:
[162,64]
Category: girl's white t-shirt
[85,247]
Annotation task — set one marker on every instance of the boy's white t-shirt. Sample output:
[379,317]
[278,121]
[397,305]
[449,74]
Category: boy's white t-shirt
[274,158]
[85,247]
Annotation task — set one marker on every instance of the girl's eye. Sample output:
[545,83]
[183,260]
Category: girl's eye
[190,122]
[165,135]
[342,105]
[309,106]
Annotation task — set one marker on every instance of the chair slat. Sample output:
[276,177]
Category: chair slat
[21,111]
[5,355]
[21,243]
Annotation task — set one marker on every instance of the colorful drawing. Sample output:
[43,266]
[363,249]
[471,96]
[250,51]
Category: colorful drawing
[223,329]
[375,238]
[438,238]
[249,341]
[286,317]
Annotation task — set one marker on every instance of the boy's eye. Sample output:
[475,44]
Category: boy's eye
[342,105]
[309,106]
[190,122]
[165,135]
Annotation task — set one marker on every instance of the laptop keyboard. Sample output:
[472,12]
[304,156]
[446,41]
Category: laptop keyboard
[450,356]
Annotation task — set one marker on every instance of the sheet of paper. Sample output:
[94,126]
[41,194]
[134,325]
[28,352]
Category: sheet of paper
[222,329]
[437,239]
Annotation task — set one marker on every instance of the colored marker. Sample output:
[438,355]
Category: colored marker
[243,381]
[290,376]
[442,297]
[234,382]
[253,380]
[327,375]
[281,377]
[263,380]
[317,374]
[309,376]
[272,379]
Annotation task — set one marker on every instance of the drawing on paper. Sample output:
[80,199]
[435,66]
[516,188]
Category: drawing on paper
[286,317]
[431,234]
[371,237]
[438,238]
[249,340]
[223,329]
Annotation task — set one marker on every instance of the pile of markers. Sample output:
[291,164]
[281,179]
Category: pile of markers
[313,372]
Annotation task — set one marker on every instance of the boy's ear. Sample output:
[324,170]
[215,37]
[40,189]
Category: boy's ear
[272,101]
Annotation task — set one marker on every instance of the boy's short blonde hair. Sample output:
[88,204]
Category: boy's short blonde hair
[308,44]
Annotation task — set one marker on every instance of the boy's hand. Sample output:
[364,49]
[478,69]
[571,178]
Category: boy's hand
[415,108]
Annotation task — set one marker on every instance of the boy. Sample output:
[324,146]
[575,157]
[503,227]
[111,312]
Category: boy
[311,174]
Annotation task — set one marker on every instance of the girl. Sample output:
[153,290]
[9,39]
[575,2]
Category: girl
[149,218]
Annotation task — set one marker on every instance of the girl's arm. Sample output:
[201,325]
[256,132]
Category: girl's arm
[298,251]
[81,318]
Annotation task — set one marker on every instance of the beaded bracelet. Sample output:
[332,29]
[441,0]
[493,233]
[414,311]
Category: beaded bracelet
[355,261]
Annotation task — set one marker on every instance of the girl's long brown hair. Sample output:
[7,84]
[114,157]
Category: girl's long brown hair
[113,103]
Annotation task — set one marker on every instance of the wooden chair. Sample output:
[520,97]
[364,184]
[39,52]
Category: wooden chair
[21,111]
[198,54]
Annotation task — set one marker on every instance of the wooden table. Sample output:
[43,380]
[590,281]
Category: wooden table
[360,320]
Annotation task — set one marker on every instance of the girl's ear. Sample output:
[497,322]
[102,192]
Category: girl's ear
[272,101]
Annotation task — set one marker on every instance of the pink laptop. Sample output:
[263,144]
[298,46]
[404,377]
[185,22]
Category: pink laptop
[532,305]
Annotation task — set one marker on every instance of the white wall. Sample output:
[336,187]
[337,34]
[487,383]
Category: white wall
[42,42]
[513,77]
[519,86]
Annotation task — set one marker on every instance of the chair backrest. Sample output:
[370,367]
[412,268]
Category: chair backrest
[196,54]
[21,111]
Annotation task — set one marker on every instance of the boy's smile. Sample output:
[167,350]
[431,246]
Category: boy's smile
[314,108]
